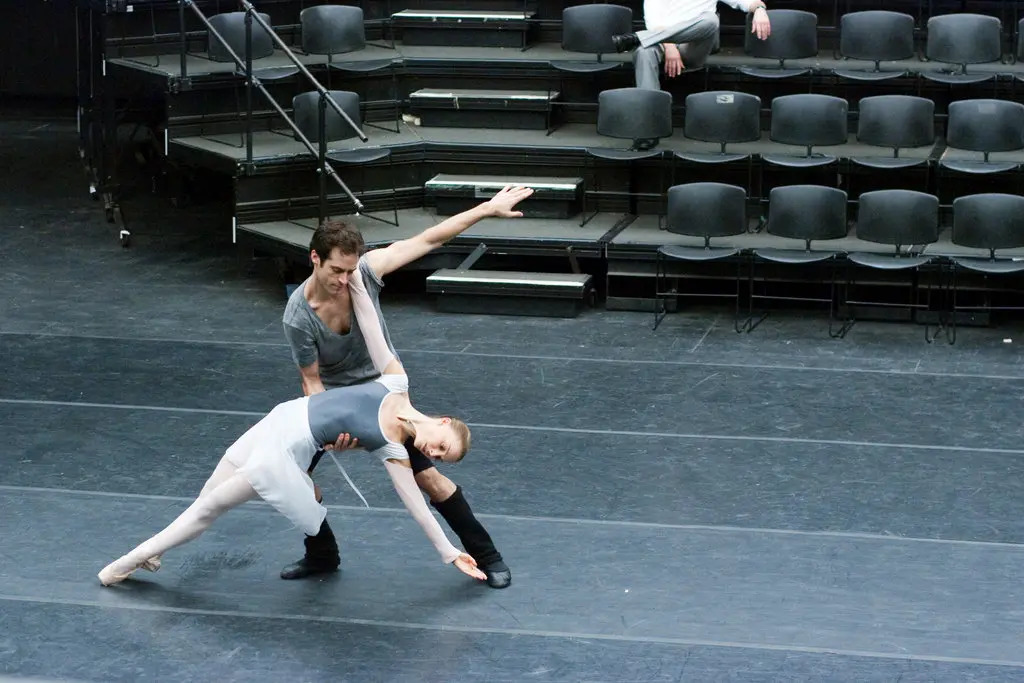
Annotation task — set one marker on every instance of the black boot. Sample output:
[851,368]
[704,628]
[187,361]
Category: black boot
[321,556]
[475,539]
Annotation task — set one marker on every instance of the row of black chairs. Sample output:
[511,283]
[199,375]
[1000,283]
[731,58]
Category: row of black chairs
[892,123]
[871,37]
[906,222]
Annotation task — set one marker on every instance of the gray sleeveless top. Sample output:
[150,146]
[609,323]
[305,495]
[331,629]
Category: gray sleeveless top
[356,410]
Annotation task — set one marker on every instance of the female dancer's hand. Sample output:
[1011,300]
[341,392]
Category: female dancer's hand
[467,565]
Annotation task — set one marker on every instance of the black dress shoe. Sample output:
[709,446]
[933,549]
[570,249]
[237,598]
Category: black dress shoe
[306,567]
[498,574]
[625,42]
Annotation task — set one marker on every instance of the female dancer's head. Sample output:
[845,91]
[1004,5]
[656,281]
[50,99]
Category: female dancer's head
[441,438]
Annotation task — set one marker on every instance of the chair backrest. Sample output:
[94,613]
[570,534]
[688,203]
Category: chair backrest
[898,217]
[707,210]
[807,212]
[723,116]
[964,39]
[306,113]
[989,221]
[896,121]
[985,125]
[876,35]
[809,119]
[794,35]
[589,28]
[332,29]
[634,113]
[231,27]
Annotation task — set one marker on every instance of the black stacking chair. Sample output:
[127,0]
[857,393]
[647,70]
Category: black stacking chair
[589,29]
[983,126]
[721,117]
[807,120]
[963,39]
[231,27]
[628,114]
[875,36]
[306,113]
[905,220]
[895,122]
[702,210]
[339,29]
[990,222]
[809,213]
[794,36]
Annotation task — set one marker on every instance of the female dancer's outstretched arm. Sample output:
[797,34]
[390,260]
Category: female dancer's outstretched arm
[409,492]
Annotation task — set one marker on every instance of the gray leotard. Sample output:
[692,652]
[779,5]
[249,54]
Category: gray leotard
[343,358]
[355,410]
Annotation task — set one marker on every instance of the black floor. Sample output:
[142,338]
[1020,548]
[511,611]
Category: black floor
[687,504]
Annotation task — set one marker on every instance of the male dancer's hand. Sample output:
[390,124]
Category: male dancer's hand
[344,442]
[500,205]
[467,565]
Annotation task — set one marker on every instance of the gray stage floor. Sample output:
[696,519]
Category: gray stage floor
[687,504]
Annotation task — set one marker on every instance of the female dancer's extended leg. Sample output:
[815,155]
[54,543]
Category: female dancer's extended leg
[226,488]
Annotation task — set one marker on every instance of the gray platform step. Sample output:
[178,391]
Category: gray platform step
[464,28]
[510,292]
[552,197]
[483,108]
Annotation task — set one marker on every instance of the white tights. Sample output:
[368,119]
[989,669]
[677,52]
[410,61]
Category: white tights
[225,489]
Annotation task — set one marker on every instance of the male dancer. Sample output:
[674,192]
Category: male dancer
[329,351]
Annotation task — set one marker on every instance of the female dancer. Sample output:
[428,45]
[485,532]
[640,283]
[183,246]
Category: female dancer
[270,460]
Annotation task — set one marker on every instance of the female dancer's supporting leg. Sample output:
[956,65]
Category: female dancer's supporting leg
[225,489]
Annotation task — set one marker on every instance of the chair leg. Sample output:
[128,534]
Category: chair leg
[840,333]
[660,308]
[947,317]
[737,324]
[751,323]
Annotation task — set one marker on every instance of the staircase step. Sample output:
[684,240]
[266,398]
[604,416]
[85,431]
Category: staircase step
[552,197]
[464,28]
[506,292]
[491,108]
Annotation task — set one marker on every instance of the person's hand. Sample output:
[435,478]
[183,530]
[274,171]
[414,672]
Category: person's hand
[500,205]
[760,24]
[344,442]
[467,565]
[673,60]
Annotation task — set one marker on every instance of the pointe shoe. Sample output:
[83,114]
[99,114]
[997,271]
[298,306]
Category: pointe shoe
[110,575]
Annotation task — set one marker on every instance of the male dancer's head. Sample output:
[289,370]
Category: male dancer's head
[335,250]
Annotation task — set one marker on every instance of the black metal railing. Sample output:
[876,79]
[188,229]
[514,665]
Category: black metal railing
[324,169]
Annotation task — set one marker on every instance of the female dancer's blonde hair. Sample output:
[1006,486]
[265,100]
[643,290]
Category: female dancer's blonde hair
[462,430]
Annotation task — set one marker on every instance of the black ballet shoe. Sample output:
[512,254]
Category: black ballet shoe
[307,567]
[498,574]
[625,42]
